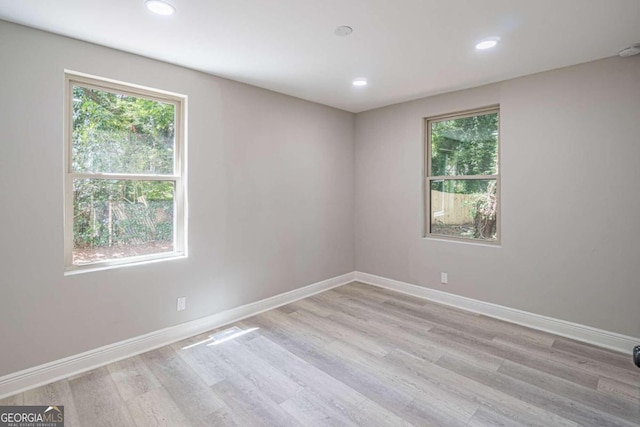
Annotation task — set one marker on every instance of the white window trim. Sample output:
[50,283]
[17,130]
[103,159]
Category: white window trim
[179,176]
[427,178]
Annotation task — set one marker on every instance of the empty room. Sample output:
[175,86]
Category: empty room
[320,213]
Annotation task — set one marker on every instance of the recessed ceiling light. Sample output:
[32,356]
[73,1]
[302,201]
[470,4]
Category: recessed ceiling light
[488,43]
[160,7]
[343,31]
[360,82]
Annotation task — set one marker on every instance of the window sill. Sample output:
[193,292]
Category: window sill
[122,263]
[497,244]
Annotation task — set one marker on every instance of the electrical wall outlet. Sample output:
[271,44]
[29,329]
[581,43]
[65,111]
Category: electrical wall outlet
[182,303]
[443,278]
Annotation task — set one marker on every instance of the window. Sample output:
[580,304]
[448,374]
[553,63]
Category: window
[124,173]
[461,176]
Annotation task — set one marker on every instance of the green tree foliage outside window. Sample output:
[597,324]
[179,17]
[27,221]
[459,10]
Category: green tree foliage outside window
[114,133]
[464,168]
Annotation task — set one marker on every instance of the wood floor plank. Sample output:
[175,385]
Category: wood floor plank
[273,319]
[369,385]
[485,417]
[443,402]
[496,326]
[347,402]
[308,305]
[132,377]
[579,376]
[355,305]
[498,401]
[356,290]
[97,400]
[225,417]
[310,412]
[264,377]
[544,399]
[156,408]
[370,413]
[188,390]
[615,406]
[586,350]
[289,308]
[578,361]
[466,351]
[442,319]
[305,374]
[391,338]
[350,333]
[198,356]
[251,405]
[620,389]
[421,412]
[57,393]
[516,338]
[392,327]
[358,355]
[387,294]
[515,333]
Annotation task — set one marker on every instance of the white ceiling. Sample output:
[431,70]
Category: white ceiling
[407,49]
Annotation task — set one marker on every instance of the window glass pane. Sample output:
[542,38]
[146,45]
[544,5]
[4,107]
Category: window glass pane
[115,133]
[464,208]
[121,218]
[465,146]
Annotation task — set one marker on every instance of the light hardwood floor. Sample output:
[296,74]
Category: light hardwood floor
[358,355]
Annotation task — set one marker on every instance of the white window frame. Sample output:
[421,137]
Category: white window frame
[428,178]
[178,177]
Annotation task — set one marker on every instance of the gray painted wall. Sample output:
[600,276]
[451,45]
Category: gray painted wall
[570,196]
[270,191]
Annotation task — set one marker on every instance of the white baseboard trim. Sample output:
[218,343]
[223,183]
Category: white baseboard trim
[49,372]
[588,334]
